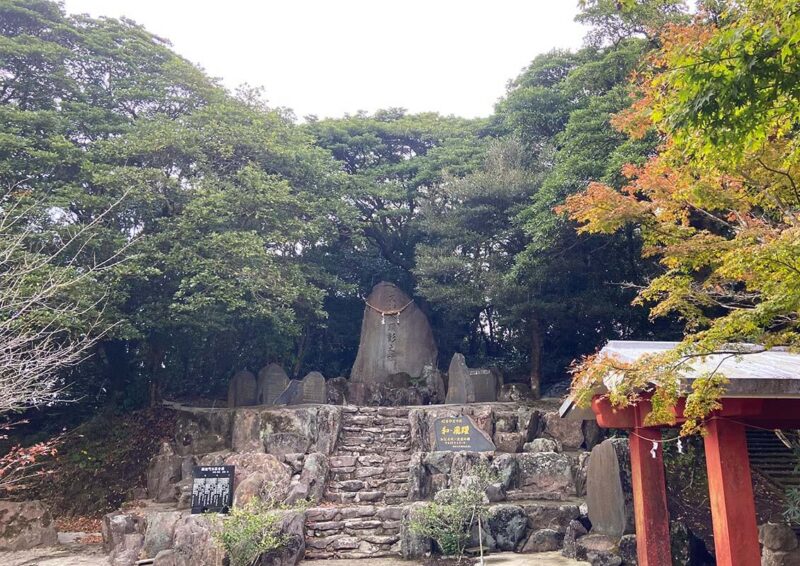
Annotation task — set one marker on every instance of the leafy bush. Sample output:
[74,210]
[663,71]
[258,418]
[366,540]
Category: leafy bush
[484,473]
[250,531]
[449,519]
[792,506]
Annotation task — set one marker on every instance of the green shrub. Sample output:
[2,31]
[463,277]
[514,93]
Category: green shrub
[485,473]
[792,506]
[449,519]
[250,531]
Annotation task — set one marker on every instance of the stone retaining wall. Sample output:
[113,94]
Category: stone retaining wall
[365,531]
[370,465]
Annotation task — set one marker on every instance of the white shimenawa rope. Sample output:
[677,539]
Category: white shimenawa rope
[395,313]
[654,448]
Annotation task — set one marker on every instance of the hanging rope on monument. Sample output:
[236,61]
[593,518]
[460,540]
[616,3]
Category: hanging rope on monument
[396,313]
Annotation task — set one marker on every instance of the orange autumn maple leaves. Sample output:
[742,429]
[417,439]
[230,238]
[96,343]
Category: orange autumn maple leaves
[718,204]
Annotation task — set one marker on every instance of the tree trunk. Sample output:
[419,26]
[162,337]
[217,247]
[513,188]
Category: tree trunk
[115,354]
[157,355]
[301,352]
[536,357]
[491,342]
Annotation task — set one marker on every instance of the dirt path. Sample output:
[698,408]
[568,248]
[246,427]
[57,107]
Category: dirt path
[539,559]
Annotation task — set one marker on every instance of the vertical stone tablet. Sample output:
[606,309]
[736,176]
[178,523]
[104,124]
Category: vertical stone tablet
[272,381]
[395,337]
[314,391]
[459,388]
[470,385]
[484,385]
[609,494]
[292,395]
[242,389]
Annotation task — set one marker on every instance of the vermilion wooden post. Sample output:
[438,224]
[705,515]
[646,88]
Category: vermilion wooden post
[649,499]
[730,487]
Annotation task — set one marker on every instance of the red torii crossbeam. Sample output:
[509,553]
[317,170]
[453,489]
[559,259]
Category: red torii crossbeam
[730,482]
[762,391]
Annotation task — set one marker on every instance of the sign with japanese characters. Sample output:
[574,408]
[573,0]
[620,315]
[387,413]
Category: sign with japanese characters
[212,489]
[460,434]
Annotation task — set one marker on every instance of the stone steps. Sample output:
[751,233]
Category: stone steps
[360,531]
[371,460]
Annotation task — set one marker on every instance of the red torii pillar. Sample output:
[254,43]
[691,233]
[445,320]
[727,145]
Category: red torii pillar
[647,476]
[730,487]
[729,480]
[649,499]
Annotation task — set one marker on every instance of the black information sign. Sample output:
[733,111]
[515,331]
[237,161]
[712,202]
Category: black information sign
[212,489]
[459,434]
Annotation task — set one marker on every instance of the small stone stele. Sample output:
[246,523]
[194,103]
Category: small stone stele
[242,390]
[608,489]
[272,381]
[311,390]
[468,385]
[314,391]
[292,395]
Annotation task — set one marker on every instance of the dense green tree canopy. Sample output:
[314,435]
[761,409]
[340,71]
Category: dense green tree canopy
[234,236]
[718,204]
[212,199]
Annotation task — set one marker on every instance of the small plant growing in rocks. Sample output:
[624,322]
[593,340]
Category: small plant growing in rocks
[250,531]
[449,519]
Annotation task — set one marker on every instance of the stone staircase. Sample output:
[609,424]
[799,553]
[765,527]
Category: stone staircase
[360,531]
[772,458]
[370,463]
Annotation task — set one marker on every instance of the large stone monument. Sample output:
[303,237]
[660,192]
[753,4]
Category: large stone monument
[467,385]
[272,381]
[242,389]
[395,338]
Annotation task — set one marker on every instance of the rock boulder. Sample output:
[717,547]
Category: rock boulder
[25,524]
[507,525]
[546,474]
[193,544]
[164,472]
[160,532]
[276,474]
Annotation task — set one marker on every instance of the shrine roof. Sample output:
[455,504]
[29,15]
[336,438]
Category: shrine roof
[752,371]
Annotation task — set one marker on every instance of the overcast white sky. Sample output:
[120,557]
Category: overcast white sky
[328,57]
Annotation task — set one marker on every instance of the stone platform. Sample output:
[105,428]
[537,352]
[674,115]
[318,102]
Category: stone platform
[361,471]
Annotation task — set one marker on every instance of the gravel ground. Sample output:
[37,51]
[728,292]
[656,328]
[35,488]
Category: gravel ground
[501,559]
[63,555]
[92,555]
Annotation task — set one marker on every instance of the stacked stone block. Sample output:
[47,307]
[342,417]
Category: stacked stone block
[371,461]
[363,531]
